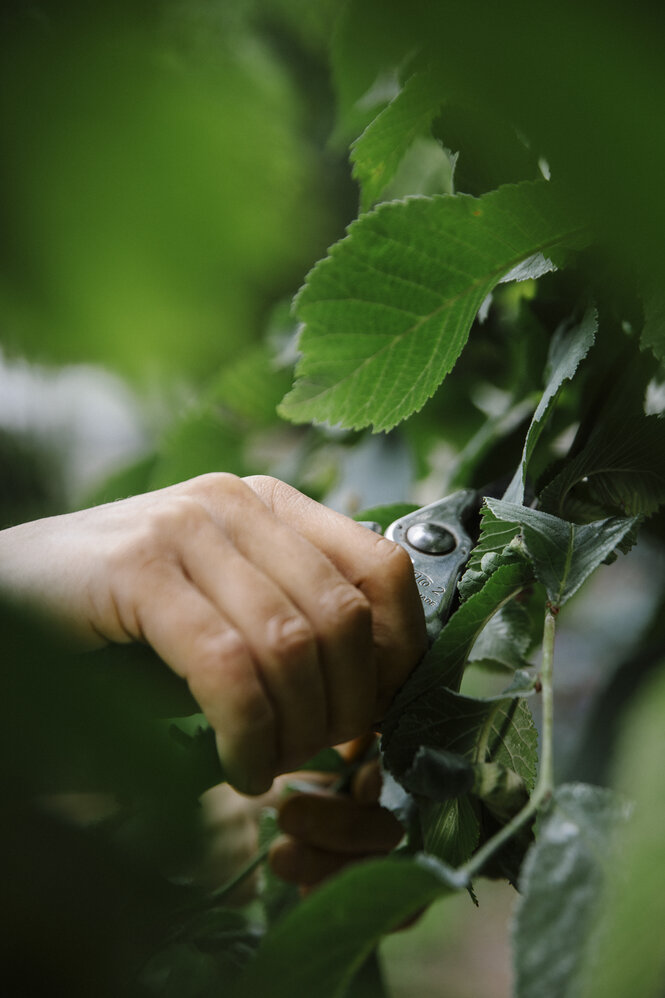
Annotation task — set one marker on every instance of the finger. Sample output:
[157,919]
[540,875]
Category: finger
[191,636]
[380,568]
[298,863]
[338,612]
[367,782]
[339,824]
[279,636]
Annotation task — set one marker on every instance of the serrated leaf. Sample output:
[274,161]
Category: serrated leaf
[387,313]
[560,884]
[505,639]
[621,467]
[377,153]
[317,947]
[568,349]
[497,730]
[563,554]
[443,665]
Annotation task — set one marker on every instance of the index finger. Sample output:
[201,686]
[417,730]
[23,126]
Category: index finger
[379,567]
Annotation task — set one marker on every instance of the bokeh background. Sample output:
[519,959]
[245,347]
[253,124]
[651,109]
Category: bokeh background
[170,172]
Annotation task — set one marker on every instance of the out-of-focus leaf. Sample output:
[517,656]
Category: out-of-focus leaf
[201,442]
[316,949]
[627,957]
[653,333]
[560,884]
[563,554]
[384,515]
[568,349]
[250,387]
[377,153]
[141,227]
[621,467]
[365,62]
[387,313]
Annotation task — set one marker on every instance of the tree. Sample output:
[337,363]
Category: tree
[498,294]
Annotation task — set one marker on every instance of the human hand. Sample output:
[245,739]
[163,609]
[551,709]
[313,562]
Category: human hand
[293,625]
[325,831]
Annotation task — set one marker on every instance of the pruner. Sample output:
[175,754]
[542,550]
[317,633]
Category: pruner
[438,539]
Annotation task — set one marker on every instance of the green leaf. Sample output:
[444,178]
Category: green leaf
[494,549]
[443,665]
[385,514]
[560,882]
[501,790]
[498,729]
[564,554]
[316,949]
[251,387]
[451,830]
[653,333]
[505,639]
[569,348]
[387,313]
[200,442]
[377,153]
[628,955]
[621,467]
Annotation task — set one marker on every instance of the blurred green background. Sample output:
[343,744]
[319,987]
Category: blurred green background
[168,177]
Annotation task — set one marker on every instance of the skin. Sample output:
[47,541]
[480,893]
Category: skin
[293,626]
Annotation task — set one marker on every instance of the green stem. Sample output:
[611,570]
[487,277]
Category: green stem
[242,874]
[545,783]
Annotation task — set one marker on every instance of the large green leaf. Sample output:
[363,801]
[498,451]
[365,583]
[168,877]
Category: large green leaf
[387,313]
[569,348]
[628,956]
[379,150]
[564,554]
[560,885]
[316,949]
[498,729]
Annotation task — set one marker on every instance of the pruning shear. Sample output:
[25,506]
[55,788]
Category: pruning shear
[438,540]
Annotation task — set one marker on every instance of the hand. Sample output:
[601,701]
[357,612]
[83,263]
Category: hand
[293,625]
[326,831]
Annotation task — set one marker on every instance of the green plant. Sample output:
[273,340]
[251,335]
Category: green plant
[498,295]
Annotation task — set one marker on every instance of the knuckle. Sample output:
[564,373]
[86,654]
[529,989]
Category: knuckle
[213,481]
[291,637]
[168,520]
[348,607]
[396,565]
[218,657]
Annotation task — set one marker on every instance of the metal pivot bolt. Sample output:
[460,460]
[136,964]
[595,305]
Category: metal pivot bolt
[431,538]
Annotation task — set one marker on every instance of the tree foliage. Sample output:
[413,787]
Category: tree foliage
[495,300]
